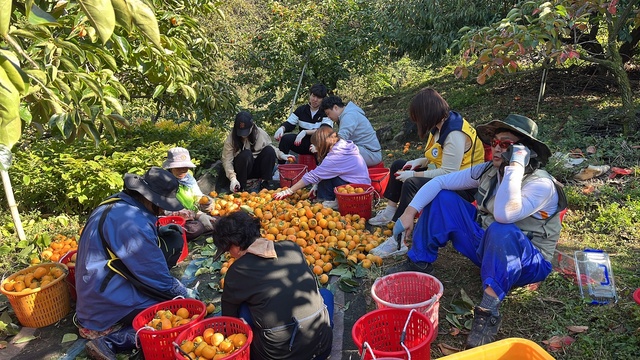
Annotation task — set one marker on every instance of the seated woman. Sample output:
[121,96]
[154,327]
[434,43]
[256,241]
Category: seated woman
[197,221]
[247,153]
[340,164]
[271,286]
[452,145]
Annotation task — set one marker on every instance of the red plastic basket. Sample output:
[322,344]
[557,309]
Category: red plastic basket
[158,344]
[309,160]
[225,325]
[378,165]
[166,220]
[382,330]
[379,179]
[291,173]
[355,203]
[636,296]
[71,276]
[409,290]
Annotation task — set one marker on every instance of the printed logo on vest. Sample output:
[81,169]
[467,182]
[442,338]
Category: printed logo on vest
[434,152]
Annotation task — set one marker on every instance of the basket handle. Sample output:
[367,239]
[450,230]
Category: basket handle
[301,172]
[365,347]
[404,334]
[181,351]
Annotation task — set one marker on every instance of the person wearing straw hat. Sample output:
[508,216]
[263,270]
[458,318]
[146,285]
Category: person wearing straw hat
[247,153]
[340,164]
[513,232]
[452,145]
[189,194]
[121,235]
[271,286]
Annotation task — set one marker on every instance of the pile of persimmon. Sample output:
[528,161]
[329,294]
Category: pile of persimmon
[34,279]
[60,245]
[166,319]
[348,189]
[213,345]
[406,148]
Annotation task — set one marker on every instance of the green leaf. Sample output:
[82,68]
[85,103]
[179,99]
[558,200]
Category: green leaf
[5,16]
[145,20]
[91,83]
[11,66]
[101,15]
[158,91]
[10,124]
[123,16]
[69,337]
[38,16]
[24,339]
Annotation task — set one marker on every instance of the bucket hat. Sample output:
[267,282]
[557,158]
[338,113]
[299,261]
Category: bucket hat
[243,124]
[520,125]
[156,185]
[178,157]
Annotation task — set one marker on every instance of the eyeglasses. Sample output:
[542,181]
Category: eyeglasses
[504,144]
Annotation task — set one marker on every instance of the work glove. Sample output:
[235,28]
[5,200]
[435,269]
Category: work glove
[193,293]
[235,185]
[299,138]
[398,229]
[517,153]
[413,164]
[283,194]
[312,149]
[313,192]
[404,175]
[205,220]
[287,157]
[207,207]
[279,133]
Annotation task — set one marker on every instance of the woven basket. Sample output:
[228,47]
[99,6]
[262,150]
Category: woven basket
[42,306]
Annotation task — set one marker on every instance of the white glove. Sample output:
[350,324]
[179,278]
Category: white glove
[206,208]
[205,220]
[312,149]
[235,185]
[313,192]
[287,157]
[279,133]
[413,164]
[299,138]
[404,175]
[520,154]
[283,194]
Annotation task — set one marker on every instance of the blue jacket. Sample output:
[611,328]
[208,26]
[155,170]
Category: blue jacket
[130,230]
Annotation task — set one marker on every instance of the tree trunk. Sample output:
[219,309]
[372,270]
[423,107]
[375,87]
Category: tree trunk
[8,190]
[616,65]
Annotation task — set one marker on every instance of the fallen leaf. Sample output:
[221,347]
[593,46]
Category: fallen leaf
[454,331]
[615,171]
[591,149]
[576,153]
[556,343]
[448,349]
[3,344]
[69,337]
[587,190]
[24,339]
[577,328]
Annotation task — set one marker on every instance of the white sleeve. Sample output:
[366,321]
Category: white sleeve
[293,119]
[327,121]
[458,180]
[452,154]
[515,202]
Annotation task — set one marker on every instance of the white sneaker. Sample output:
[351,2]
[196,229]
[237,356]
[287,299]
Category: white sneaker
[381,218]
[390,248]
[332,204]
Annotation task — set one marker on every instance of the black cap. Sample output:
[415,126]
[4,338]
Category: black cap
[243,124]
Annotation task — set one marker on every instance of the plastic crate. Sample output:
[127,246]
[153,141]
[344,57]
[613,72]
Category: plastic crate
[179,220]
[410,290]
[505,349]
[359,203]
[42,306]
[309,160]
[291,173]
[382,330]
[225,325]
[158,344]
[71,276]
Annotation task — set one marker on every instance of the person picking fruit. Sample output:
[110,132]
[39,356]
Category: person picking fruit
[271,286]
[513,232]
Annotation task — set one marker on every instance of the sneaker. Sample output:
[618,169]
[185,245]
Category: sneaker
[331,204]
[484,329]
[381,218]
[97,349]
[420,266]
[390,248]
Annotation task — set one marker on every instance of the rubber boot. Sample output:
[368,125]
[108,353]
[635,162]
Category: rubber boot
[106,347]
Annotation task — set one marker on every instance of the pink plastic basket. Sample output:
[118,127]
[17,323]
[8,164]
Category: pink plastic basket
[409,290]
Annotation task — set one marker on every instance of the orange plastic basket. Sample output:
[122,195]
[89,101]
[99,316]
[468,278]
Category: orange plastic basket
[291,173]
[158,344]
[42,306]
[71,276]
[309,160]
[166,220]
[379,179]
[409,290]
[382,329]
[505,349]
[225,325]
[355,203]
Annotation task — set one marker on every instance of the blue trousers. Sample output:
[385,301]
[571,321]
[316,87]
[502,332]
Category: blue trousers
[325,188]
[505,255]
[327,297]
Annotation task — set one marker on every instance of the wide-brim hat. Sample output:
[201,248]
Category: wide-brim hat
[178,157]
[156,185]
[517,124]
[243,124]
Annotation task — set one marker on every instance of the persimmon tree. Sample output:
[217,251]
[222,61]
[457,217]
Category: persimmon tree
[602,32]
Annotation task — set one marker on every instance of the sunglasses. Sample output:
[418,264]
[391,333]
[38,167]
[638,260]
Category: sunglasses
[504,144]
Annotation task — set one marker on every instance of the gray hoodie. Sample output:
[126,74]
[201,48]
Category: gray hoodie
[354,126]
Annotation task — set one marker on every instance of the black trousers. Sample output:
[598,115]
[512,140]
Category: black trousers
[246,167]
[286,145]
